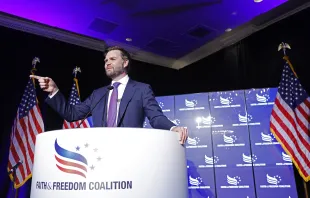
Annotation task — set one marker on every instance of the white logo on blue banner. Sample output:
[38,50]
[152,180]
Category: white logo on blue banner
[166,103]
[211,162]
[191,105]
[261,97]
[287,160]
[234,182]
[193,142]
[226,99]
[200,181]
[243,119]
[275,180]
[206,122]
[229,138]
[267,139]
[196,183]
[250,160]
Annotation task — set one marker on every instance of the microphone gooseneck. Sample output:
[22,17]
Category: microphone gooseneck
[15,166]
[110,87]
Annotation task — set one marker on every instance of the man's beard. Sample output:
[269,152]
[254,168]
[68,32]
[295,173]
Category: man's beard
[115,72]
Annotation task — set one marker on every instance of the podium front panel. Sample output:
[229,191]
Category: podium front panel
[109,162]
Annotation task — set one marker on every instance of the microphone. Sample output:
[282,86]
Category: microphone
[15,166]
[110,87]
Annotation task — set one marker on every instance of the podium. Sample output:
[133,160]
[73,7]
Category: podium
[110,163]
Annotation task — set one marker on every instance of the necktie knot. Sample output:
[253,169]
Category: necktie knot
[116,84]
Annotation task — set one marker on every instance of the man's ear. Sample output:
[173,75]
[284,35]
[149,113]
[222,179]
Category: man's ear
[126,61]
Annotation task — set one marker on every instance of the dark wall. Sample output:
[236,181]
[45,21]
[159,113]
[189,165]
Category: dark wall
[255,61]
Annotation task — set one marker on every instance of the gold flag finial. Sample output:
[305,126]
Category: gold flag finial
[35,61]
[284,46]
[76,70]
[34,64]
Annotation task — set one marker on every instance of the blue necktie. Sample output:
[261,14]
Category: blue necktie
[113,106]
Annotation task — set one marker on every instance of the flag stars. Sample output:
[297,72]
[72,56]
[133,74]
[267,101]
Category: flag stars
[95,149]
[99,159]
[86,145]
[92,167]
[28,100]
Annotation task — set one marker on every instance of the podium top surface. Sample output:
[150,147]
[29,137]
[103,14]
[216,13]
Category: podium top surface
[109,130]
[114,133]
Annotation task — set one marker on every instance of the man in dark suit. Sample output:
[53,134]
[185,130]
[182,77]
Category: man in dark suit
[124,103]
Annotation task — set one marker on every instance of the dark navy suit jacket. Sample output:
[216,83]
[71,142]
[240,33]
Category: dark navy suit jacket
[138,102]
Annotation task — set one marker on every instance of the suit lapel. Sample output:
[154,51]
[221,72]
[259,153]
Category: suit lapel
[128,93]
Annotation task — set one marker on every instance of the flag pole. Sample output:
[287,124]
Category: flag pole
[16,193]
[306,189]
[33,70]
[285,46]
[75,71]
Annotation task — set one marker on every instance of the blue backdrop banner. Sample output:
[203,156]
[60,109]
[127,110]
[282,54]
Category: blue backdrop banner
[230,149]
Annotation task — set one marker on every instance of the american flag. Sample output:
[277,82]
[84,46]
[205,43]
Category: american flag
[73,100]
[27,124]
[289,120]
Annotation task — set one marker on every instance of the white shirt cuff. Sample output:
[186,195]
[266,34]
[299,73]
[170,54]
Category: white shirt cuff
[172,128]
[53,94]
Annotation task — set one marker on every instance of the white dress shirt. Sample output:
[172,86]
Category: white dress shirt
[120,89]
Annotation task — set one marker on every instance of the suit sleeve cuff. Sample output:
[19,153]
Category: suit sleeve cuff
[50,96]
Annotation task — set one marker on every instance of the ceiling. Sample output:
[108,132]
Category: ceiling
[172,33]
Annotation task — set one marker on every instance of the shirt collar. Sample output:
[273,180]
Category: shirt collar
[123,80]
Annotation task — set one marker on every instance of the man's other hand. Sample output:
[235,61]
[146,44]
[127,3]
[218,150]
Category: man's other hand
[183,133]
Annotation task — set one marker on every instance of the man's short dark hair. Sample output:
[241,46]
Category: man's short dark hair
[125,55]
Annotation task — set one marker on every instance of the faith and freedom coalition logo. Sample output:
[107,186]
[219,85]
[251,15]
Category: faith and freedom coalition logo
[77,164]
[80,161]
